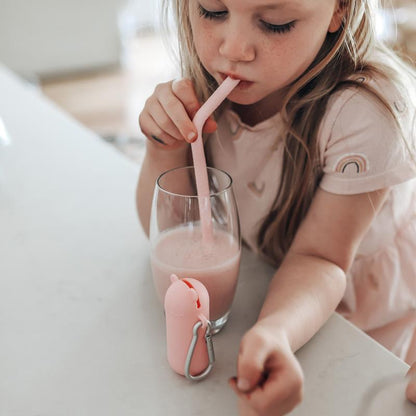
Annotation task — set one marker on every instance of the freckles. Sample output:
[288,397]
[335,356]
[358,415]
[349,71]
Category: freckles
[205,44]
[275,51]
[205,52]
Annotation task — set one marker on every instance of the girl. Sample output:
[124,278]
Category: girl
[319,140]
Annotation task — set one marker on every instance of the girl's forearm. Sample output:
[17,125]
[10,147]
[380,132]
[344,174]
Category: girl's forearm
[156,161]
[302,295]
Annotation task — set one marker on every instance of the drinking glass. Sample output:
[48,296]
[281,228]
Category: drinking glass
[179,245]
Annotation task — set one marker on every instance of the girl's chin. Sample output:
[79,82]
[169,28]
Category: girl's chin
[242,102]
[242,99]
[247,97]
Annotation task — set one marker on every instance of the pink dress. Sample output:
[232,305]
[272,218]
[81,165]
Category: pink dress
[361,151]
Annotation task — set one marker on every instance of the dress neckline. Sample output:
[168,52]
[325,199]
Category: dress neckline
[271,122]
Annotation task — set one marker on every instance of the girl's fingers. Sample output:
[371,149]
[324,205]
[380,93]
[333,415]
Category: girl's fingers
[269,377]
[279,392]
[164,121]
[182,116]
[210,126]
[252,357]
[153,132]
[169,113]
[184,90]
[167,116]
[176,112]
[282,390]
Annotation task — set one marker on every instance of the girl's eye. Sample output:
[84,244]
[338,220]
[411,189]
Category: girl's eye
[287,27]
[211,15]
[206,14]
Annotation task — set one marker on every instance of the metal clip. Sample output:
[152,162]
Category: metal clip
[210,347]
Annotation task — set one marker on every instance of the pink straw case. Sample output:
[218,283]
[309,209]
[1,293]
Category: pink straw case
[189,345]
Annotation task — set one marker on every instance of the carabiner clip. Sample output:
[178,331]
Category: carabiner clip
[210,348]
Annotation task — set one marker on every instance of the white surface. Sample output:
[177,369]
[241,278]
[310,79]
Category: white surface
[45,37]
[81,330]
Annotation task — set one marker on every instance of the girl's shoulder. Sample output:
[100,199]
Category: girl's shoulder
[387,87]
[377,101]
[365,137]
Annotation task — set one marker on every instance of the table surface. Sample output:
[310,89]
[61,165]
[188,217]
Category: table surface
[81,330]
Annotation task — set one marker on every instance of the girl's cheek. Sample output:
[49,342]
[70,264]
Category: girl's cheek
[205,49]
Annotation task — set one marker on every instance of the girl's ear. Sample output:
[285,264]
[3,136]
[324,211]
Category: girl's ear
[337,17]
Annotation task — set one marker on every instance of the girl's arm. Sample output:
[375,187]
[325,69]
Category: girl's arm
[313,272]
[303,293]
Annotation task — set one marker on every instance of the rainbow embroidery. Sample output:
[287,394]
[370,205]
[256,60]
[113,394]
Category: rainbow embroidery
[352,163]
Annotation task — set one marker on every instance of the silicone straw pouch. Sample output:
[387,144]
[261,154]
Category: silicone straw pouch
[189,345]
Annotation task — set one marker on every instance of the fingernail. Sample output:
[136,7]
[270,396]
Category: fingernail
[243,384]
[191,136]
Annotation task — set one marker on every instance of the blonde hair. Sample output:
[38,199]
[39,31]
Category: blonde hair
[344,59]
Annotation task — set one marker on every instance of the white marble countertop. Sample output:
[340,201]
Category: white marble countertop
[81,330]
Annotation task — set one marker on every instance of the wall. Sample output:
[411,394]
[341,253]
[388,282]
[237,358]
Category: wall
[44,37]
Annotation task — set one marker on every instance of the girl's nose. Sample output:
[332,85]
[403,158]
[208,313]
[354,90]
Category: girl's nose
[237,46]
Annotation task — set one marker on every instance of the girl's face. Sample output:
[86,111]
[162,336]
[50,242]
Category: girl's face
[265,43]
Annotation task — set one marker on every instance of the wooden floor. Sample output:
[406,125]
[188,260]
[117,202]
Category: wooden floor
[109,101]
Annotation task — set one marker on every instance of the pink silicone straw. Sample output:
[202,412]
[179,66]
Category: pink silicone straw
[198,155]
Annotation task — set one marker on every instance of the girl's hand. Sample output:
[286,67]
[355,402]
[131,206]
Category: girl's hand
[411,387]
[269,379]
[166,119]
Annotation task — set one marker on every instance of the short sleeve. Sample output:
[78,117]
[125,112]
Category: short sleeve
[362,148]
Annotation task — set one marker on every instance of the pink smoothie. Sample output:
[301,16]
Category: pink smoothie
[181,251]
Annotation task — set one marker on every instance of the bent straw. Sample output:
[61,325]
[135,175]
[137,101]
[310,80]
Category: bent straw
[198,155]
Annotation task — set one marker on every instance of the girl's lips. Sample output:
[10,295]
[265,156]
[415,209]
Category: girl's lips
[233,76]
[243,84]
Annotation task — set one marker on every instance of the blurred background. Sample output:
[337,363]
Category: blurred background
[100,59]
